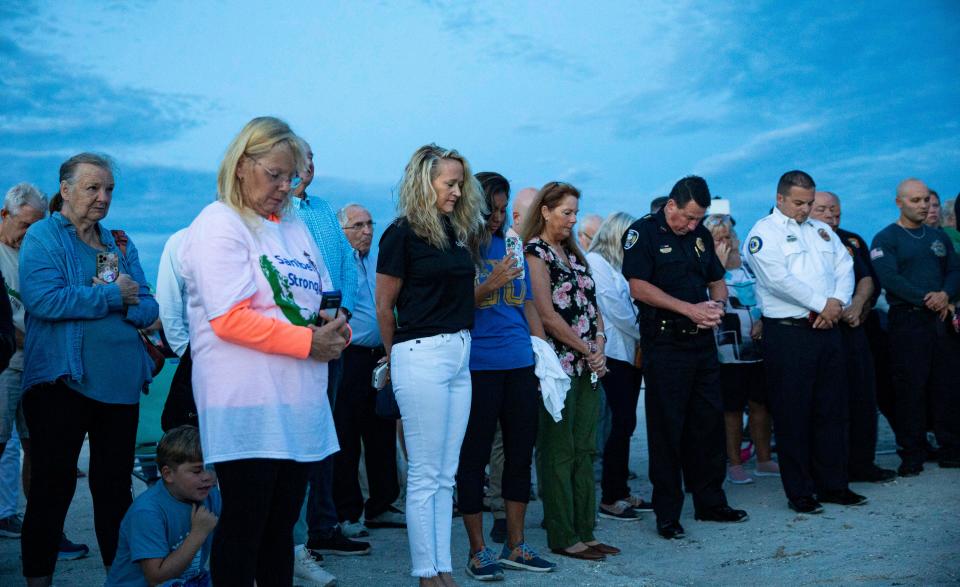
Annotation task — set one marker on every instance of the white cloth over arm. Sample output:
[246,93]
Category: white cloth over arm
[554,383]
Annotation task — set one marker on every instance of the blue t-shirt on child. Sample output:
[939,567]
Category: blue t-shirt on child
[154,526]
[501,336]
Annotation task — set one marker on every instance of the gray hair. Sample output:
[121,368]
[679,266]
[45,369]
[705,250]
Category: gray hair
[24,194]
[68,170]
[607,241]
[342,213]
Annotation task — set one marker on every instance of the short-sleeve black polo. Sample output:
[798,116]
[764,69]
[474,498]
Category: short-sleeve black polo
[680,265]
[437,292]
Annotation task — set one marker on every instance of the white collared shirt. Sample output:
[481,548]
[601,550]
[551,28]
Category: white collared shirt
[798,266]
[616,307]
[172,295]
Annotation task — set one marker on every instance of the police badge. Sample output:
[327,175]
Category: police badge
[631,239]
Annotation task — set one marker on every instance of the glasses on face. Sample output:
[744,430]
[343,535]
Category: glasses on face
[277,179]
[360,225]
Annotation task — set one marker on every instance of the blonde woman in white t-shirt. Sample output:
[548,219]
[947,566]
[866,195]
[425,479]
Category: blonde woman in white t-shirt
[621,384]
[255,282]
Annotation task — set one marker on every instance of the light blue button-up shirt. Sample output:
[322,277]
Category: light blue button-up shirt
[337,253]
[366,331]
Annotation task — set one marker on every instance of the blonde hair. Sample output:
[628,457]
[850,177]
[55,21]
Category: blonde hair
[607,242]
[257,138]
[551,195]
[178,446]
[418,200]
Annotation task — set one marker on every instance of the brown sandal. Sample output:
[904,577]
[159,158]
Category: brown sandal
[604,549]
[587,554]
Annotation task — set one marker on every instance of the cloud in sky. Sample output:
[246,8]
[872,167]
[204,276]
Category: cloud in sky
[623,98]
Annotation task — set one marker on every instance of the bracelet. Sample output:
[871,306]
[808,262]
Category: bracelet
[350,329]
[602,335]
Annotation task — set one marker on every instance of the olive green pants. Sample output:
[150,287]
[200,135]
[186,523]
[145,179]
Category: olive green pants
[566,450]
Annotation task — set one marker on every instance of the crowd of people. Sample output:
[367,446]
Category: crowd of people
[477,349]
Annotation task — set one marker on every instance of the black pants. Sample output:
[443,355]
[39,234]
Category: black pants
[862,397]
[621,386]
[875,328]
[254,537]
[510,396]
[180,408]
[808,401]
[357,421]
[321,511]
[923,355]
[685,431]
[58,419]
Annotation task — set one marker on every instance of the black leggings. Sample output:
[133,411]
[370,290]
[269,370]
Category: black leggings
[59,418]
[254,537]
[621,385]
[511,396]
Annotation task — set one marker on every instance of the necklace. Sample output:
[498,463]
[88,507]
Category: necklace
[923,231]
[562,258]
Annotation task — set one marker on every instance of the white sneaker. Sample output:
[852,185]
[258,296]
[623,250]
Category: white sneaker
[305,566]
[354,529]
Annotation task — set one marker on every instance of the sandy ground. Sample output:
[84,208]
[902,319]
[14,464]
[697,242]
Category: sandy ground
[908,534]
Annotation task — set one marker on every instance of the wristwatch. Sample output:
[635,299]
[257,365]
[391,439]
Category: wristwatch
[602,335]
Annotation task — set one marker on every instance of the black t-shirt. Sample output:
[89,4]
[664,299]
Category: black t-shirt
[437,292]
[861,260]
[680,265]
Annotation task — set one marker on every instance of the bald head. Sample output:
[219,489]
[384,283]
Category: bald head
[913,199]
[521,202]
[588,228]
[826,208]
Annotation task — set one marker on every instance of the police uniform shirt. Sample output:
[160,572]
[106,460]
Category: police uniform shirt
[911,263]
[798,266]
[680,265]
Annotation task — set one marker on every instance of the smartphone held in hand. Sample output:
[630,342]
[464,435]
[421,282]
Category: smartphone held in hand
[330,300]
[108,266]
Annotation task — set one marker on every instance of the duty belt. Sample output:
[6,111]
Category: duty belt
[679,328]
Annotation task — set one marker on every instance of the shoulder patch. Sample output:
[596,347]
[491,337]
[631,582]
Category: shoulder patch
[854,242]
[755,244]
[823,234]
[938,248]
[876,254]
[630,239]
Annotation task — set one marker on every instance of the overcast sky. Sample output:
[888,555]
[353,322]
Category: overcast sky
[619,98]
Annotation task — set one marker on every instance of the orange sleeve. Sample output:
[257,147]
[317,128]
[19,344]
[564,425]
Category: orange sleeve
[246,327]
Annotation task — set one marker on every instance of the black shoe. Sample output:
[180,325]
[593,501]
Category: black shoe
[950,463]
[932,452]
[338,544]
[873,474]
[805,505]
[671,530]
[909,470]
[842,497]
[721,513]
[498,533]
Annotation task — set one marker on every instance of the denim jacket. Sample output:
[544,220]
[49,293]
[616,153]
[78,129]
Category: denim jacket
[57,301]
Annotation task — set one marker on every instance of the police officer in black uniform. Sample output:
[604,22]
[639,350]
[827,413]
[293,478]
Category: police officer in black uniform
[921,274]
[670,264]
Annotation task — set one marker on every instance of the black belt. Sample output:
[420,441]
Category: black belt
[373,351]
[796,322]
[680,328]
[909,309]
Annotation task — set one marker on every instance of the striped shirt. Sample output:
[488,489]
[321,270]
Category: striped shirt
[337,253]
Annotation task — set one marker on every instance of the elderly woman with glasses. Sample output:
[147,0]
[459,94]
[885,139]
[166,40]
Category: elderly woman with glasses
[741,371]
[260,346]
[84,364]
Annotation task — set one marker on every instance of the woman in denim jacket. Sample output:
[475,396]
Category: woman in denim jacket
[84,363]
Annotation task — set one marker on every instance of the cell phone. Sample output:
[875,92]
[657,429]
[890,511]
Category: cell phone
[108,267]
[330,300]
[379,377]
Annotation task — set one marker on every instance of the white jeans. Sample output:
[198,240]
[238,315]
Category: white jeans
[431,380]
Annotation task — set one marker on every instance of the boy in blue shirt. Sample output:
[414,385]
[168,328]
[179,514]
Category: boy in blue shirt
[166,535]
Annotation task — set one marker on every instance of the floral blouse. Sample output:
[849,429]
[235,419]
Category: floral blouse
[574,297]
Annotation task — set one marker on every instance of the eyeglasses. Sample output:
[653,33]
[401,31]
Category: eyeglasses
[277,179]
[360,225]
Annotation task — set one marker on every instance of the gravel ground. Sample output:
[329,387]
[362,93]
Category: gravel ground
[908,534]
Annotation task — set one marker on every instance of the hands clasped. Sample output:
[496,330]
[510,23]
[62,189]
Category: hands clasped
[129,288]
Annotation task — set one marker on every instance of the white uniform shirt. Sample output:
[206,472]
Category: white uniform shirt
[172,295]
[798,266]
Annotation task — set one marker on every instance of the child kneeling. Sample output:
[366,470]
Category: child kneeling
[166,535]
